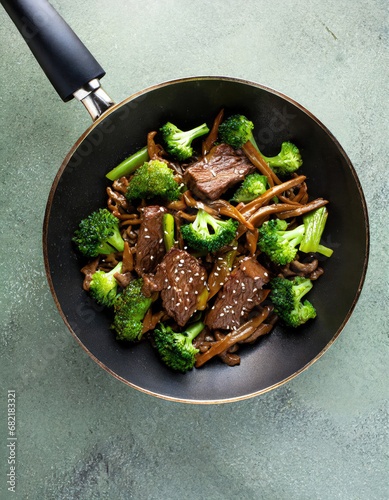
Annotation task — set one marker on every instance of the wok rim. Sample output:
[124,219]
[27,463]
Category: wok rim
[124,102]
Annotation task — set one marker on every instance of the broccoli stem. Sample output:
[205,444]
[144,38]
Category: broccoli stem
[168,231]
[314,223]
[129,165]
[116,241]
[193,330]
[253,142]
[294,236]
[194,133]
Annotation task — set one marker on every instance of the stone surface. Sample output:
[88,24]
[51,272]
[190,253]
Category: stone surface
[82,434]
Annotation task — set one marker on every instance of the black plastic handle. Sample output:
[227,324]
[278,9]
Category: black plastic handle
[66,61]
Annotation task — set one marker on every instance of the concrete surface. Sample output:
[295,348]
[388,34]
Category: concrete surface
[81,434]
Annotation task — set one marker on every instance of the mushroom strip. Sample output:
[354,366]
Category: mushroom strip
[191,202]
[251,207]
[128,259]
[154,150]
[257,159]
[303,209]
[259,216]
[233,337]
[225,208]
[212,136]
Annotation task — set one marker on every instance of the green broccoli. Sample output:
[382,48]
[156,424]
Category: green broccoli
[253,186]
[178,143]
[130,308]
[314,223]
[286,296]
[153,179]
[176,349]
[99,234]
[103,286]
[287,161]
[198,234]
[168,231]
[278,243]
[236,131]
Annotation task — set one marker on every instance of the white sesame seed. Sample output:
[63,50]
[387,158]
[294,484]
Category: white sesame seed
[147,236]
[151,257]
[221,314]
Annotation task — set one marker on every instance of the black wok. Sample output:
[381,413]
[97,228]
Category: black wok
[80,187]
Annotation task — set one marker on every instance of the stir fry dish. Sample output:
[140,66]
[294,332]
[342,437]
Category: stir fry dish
[204,244]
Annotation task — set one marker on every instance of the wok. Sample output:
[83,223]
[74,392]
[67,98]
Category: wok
[117,132]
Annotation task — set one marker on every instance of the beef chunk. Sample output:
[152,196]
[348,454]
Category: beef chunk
[150,247]
[219,170]
[180,278]
[240,294]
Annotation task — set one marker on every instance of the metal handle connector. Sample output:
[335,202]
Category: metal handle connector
[94,98]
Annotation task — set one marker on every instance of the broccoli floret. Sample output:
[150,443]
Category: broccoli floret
[287,161]
[253,186]
[103,286]
[99,234]
[153,179]
[286,296]
[178,143]
[278,243]
[198,235]
[176,349]
[236,131]
[130,308]
[314,223]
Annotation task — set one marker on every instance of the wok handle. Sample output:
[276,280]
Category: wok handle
[66,61]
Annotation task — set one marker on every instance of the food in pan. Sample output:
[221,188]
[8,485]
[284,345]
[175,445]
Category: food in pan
[204,243]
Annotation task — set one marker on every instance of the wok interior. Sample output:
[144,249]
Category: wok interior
[82,188]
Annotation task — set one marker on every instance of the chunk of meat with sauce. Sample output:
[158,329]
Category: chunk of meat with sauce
[240,294]
[180,279]
[150,247]
[219,170]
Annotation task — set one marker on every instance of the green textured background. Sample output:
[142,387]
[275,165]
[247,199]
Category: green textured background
[84,435]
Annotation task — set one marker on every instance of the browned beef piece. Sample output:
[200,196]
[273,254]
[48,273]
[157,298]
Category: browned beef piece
[219,170]
[181,279]
[240,294]
[150,247]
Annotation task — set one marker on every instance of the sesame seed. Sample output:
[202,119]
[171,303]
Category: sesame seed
[221,314]
[147,236]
